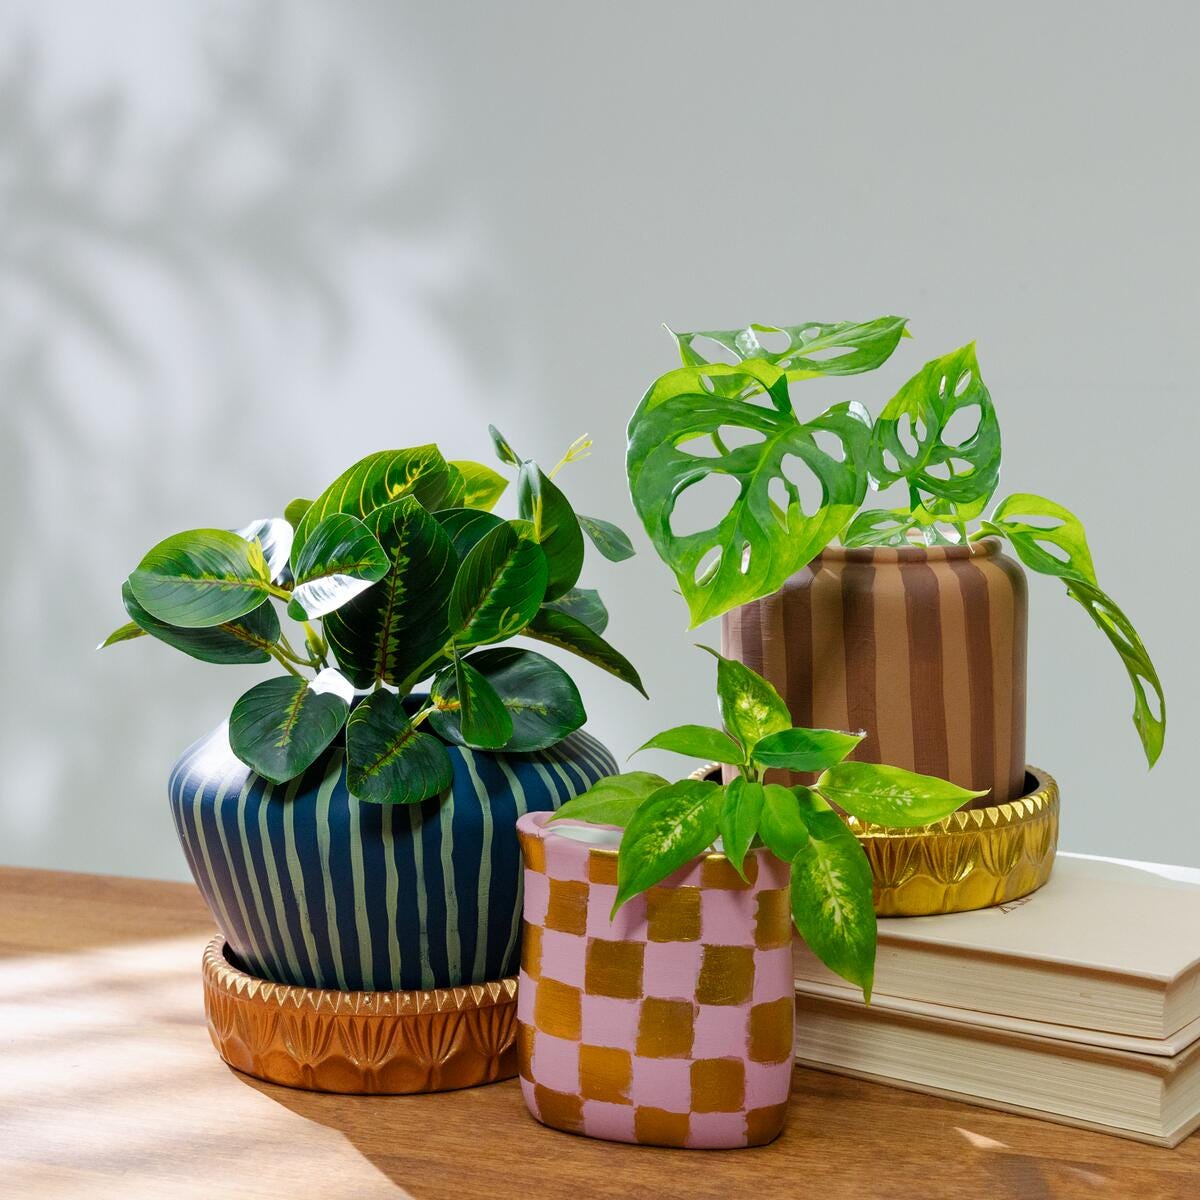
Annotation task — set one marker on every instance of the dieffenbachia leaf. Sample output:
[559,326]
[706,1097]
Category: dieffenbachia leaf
[466,526]
[613,800]
[750,707]
[740,818]
[584,604]
[388,760]
[758,543]
[541,502]
[539,698]
[891,796]
[804,749]
[125,633]
[281,726]
[340,559]
[467,709]
[908,439]
[560,629]
[832,899]
[670,828]
[499,586]
[399,624]
[201,578]
[274,535]
[295,510]
[811,349]
[482,486]
[780,825]
[1057,527]
[380,478]
[697,741]
[612,541]
[245,639]
[504,452]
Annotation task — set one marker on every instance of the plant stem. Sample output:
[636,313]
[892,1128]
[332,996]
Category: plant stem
[276,653]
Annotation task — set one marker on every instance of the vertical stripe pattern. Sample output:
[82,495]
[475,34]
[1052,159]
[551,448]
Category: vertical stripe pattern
[314,888]
[924,648]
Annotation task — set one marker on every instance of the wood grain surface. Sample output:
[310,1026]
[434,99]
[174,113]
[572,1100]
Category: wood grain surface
[109,1087]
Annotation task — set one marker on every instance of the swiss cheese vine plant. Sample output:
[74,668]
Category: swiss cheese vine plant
[738,419]
[397,573]
[667,824]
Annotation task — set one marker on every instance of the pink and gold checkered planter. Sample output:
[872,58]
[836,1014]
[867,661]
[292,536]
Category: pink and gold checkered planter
[673,1024]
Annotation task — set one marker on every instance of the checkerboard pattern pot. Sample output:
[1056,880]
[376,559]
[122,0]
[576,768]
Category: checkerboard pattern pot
[671,1025]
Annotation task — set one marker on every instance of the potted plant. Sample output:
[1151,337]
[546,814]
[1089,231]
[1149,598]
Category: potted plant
[906,621]
[349,832]
[656,999]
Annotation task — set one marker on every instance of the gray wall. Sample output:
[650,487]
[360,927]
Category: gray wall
[244,244]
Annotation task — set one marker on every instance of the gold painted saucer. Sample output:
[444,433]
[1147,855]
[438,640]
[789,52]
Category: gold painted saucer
[381,1043]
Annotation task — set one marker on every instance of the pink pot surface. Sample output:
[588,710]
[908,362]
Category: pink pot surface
[671,1025]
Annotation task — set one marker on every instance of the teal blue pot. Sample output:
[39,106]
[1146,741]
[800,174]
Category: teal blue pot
[312,887]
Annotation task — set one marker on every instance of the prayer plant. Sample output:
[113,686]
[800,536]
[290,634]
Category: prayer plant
[938,438]
[398,572]
[668,824]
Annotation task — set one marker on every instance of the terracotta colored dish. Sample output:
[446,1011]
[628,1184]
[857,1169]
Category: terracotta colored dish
[382,1043]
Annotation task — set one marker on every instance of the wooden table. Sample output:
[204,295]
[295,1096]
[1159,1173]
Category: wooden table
[109,1087]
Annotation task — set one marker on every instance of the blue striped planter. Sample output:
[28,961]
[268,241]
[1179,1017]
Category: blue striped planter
[316,889]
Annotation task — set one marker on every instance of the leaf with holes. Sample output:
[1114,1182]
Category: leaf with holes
[200,578]
[245,639]
[613,800]
[804,749]
[499,585]
[759,542]
[397,626]
[280,727]
[467,709]
[274,535]
[881,527]
[909,438]
[740,818]
[832,899]
[750,707]
[612,541]
[560,629]
[340,559]
[804,351]
[1150,722]
[482,487]
[390,761]
[543,505]
[884,795]
[670,828]
[697,741]
[584,604]
[1059,528]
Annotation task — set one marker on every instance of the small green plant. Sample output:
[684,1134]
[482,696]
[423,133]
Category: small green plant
[397,573]
[668,824]
[938,438]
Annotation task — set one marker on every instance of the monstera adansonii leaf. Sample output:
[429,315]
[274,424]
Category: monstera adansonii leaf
[758,543]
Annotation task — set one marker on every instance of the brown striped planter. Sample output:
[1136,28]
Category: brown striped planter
[922,647]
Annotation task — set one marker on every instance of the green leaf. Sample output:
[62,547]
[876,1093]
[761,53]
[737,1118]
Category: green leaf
[757,544]
[504,452]
[539,698]
[856,346]
[613,800]
[340,559]
[833,899]
[295,511]
[781,826]
[482,486]
[541,502]
[380,478]
[750,707]
[697,741]
[397,626]
[274,535]
[890,795]
[280,727]
[1150,724]
[126,633]
[908,441]
[608,538]
[564,631]
[388,760]
[584,604]
[469,712]
[804,749]
[466,526]
[499,586]
[1064,531]
[670,828]
[880,527]
[201,578]
[740,819]
[245,639]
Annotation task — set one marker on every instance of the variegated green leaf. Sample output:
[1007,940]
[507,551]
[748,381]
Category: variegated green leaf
[555,526]
[274,535]
[280,727]
[388,760]
[499,586]
[560,629]
[750,707]
[466,526]
[468,710]
[482,487]
[613,800]
[126,633]
[804,749]
[584,604]
[504,452]
[886,795]
[339,560]
[612,541]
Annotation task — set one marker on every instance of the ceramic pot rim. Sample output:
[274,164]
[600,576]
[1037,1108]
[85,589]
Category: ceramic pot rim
[988,547]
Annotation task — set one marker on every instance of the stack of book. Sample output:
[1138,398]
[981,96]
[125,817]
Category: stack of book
[1079,1004]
